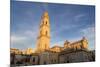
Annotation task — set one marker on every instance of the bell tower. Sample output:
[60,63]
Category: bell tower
[43,41]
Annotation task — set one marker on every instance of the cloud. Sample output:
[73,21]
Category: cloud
[15,39]
[31,33]
[63,28]
[24,40]
[89,33]
[19,42]
[79,17]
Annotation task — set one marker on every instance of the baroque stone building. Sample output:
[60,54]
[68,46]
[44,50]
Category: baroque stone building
[68,53]
[73,56]
[80,44]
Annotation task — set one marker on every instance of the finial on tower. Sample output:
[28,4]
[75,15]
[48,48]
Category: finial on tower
[45,14]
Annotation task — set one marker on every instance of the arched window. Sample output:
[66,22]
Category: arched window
[46,22]
[46,32]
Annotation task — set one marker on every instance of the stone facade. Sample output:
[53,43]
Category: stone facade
[74,56]
[20,59]
[81,44]
[48,57]
[34,60]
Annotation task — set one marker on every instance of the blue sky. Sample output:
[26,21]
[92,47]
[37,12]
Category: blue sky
[67,22]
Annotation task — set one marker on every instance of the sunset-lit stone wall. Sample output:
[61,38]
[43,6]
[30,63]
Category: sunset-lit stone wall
[43,41]
[81,44]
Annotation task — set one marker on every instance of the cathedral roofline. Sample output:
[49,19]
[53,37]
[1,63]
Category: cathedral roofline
[73,51]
